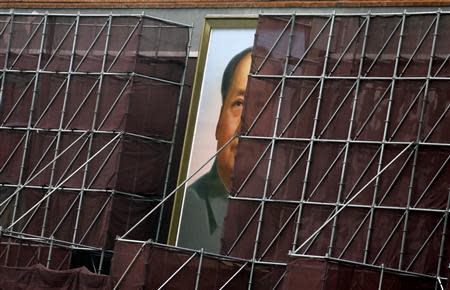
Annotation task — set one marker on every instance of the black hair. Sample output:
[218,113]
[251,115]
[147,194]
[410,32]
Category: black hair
[229,71]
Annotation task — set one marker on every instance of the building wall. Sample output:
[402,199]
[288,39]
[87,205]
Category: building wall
[194,12]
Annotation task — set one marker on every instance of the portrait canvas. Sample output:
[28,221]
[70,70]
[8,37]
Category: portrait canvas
[224,44]
[203,202]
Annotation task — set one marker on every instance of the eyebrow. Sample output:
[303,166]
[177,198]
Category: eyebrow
[240,92]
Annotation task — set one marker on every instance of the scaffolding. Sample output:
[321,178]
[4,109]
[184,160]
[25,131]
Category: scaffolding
[343,158]
[357,153]
[89,107]
[342,171]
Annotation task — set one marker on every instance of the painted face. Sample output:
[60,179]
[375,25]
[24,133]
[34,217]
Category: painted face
[230,120]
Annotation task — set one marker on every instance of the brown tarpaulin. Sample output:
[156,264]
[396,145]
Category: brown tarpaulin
[136,92]
[92,79]
[155,264]
[322,274]
[39,277]
[67,92]
[327,108]
[103,216]
[26,253]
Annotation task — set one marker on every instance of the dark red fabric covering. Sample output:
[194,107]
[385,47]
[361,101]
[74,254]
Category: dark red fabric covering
[20,253]
[145,105]
[108,74]
[155,264]
[39,277]
[335,130]
[321,274]
[132,164]
[102,217]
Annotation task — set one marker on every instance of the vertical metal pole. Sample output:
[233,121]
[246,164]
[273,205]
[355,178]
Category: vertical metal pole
[375,108]
[5,202]
[349,135]
[416,149]
[272,149]
[386,126]
[100,263]
[410,107]
[424,244]
[50,249]
[330,218]
[30,120]
[174,134]
[158,40]
[125,43]
[27,42]
[91,137]
[63,110]
[2,88]
[380,282]
[8,48]
[199,270]
[37,204]
[313,135]
[443,238]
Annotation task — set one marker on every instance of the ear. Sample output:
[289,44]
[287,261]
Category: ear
[219,122]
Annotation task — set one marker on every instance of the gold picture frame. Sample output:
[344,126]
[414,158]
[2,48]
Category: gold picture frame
[239,26]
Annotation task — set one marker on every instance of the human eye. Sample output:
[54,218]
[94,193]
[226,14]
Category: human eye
[238,103]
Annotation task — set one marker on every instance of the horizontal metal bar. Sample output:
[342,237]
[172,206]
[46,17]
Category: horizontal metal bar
[264,138]
[208,254]
[343,141]
[96,24]
[46,240]
[43,130]
[37,13]
[156,140]
[330,204]
[377,267]
[362,14]
[48,194]
[158,79]
[93,73]
[352,78]
[338,211]
[299,77]
[156,197]
[186,250]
